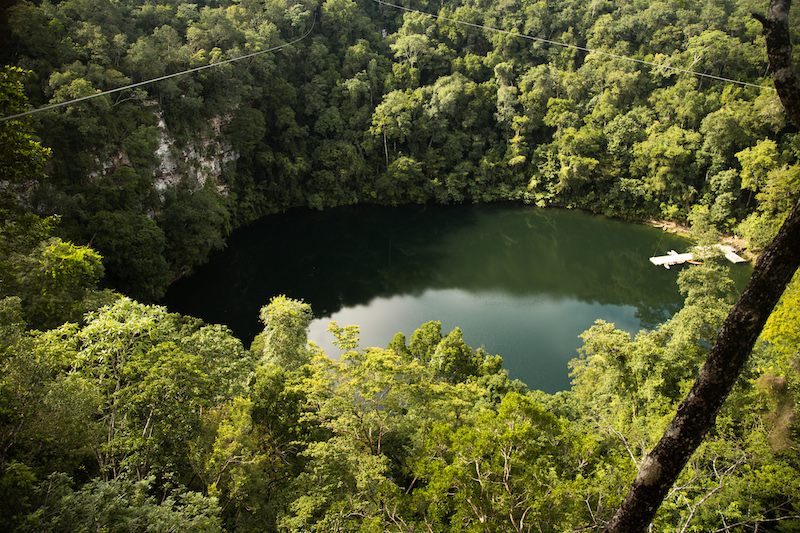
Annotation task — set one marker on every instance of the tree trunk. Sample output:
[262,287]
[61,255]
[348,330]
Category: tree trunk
[773,271]
[779,53]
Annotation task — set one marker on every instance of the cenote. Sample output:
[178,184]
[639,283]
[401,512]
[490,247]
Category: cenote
[521,282]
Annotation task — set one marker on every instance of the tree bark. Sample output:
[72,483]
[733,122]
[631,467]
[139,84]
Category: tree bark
[773,271]
[779,53]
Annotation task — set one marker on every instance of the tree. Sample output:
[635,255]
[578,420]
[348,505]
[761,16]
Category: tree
[393,118]
[782,330]
[111,354]
[232,455]
[363,404]
[412,48]
[644,377]
[247,129]
[21,157]
[757,162]
[496,473]
[33,426]
[780,192]
[667,162]
[133,247]
[223,357]
[403,181]
[285,335]
[54,280]
[194,225]
[453,360]
[424,341]
[773,271]
[120,505]
[128,388]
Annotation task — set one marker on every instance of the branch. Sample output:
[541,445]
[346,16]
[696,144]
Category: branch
[622,438]
[695,507]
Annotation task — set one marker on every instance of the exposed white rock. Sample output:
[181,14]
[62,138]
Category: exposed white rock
[201,159]
[109,165]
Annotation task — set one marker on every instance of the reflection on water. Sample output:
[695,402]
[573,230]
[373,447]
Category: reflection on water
[537,335]
[521,281]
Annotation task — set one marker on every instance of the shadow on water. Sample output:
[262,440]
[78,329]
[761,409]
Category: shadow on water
[330,259]
[387,267]
[346,257]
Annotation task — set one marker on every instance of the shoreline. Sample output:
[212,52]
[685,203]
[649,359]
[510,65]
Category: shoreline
[741,246]
[669,226]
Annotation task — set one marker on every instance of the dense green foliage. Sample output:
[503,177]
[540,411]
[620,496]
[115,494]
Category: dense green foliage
[137,420]
[381,105]
[120,416]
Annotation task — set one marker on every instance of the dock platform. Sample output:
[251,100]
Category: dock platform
[730,255]
[674,258]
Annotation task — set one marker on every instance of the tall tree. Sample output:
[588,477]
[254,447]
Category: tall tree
[773,271]
[22,158]
[285,335]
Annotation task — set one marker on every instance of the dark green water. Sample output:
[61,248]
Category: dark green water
[520,281]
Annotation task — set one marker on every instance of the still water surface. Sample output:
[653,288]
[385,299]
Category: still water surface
[522,282]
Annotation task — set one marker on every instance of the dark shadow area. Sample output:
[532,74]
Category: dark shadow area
[330,259]
[349,256]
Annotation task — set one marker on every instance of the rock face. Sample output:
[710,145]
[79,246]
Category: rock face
[201,159]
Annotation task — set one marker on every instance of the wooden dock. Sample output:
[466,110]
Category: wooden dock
[730,254]
[674,258]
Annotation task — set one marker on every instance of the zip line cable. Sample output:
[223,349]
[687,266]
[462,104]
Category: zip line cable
[582,48]
[154,80]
